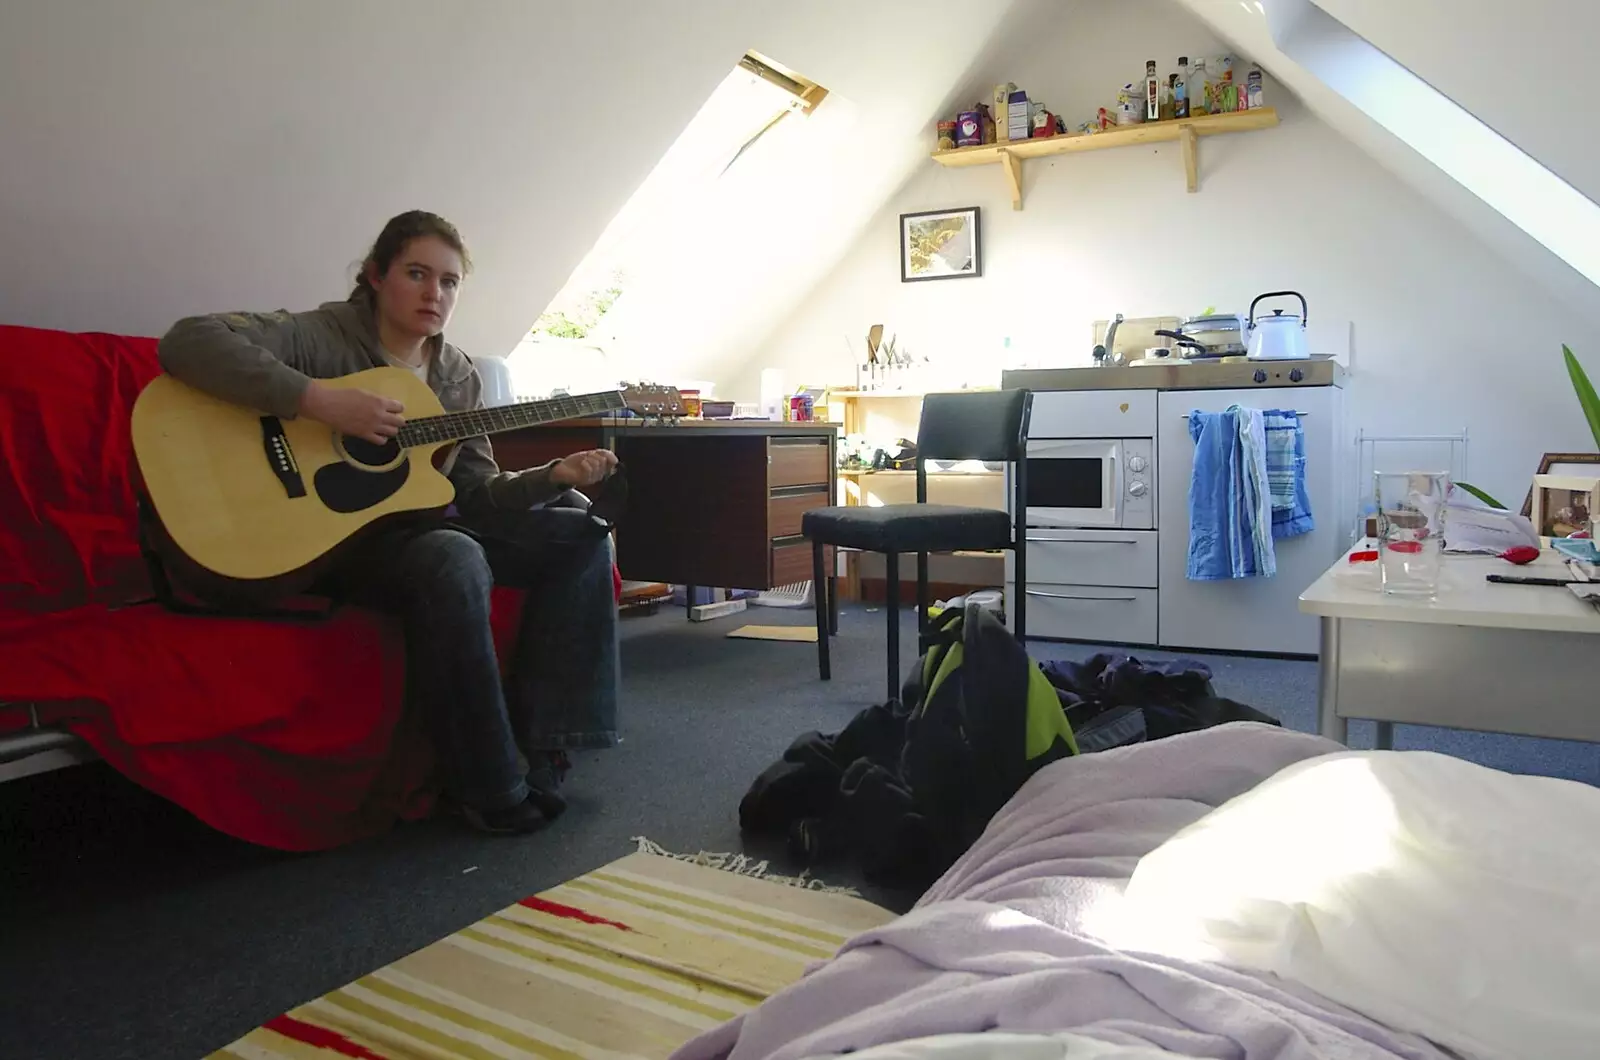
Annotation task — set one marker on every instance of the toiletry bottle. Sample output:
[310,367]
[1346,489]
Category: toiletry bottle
[1200,89]
[1254,89]
[1152,92]
[1180,89]
[1166,98]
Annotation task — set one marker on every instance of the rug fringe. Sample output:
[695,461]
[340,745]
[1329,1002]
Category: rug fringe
[742,865]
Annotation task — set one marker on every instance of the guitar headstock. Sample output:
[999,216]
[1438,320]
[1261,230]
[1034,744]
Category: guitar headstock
[648,399]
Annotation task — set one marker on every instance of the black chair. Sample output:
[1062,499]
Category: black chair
[979,425]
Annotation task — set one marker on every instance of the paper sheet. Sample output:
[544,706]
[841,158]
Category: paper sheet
[795,633]
[1471,528]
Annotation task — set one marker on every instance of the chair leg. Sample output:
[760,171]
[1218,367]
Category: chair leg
[891,607]
[922,598]
[1019,615]
[819,585]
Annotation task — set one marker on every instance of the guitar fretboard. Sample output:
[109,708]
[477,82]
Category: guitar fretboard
[454,426]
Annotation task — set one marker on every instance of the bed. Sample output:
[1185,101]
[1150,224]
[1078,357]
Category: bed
[1241,892]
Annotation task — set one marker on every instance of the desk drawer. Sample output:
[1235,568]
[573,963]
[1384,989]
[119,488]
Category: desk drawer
[791,563]
[1089,557]
[797,462]
[784,512]
[1091,612]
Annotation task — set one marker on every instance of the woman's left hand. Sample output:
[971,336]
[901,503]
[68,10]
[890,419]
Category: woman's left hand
[583,469]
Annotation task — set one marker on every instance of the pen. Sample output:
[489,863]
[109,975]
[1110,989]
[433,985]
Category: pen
[1521,579]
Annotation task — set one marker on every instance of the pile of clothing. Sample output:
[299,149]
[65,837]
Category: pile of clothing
[850,796]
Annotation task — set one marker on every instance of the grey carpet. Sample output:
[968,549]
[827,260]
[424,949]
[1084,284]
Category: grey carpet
[127,929]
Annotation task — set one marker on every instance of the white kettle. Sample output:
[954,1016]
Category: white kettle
[1279,337]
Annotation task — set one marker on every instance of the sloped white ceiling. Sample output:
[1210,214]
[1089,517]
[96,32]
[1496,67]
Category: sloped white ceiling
[1245,27]
[167,157]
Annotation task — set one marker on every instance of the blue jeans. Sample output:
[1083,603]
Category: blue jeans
[561,690]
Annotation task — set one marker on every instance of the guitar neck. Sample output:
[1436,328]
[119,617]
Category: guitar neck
[454,426]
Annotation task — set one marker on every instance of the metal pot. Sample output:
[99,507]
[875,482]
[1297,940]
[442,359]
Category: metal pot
[1219,333]
[1281,336]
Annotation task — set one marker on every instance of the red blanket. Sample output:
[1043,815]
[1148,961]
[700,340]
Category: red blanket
[285,734]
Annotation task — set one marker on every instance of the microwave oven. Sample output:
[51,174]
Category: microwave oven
[1091,482]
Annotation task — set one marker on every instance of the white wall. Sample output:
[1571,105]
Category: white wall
[1526,69]
[1445,334]
[169,157]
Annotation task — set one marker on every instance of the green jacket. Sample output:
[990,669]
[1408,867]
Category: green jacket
[265,361]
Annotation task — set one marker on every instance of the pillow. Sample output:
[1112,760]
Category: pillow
[1433,895]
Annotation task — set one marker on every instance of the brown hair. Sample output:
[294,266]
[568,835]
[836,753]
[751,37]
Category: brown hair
[398,234]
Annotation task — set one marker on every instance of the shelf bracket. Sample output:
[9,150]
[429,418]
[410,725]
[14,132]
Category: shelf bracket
[1013,169]
[1191,161]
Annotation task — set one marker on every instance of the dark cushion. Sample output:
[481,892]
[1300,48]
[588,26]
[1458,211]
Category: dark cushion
[909,527]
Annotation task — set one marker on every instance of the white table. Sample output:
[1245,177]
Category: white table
[1515,659]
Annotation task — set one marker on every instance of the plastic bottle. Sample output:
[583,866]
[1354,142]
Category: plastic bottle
[1200,89]
[1180,89]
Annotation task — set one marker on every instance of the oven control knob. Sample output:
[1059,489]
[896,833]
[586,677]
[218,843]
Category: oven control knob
[1296,375]
[1136,463]
[1261,375]
[1137,489]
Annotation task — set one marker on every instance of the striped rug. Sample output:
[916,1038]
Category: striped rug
[624,963]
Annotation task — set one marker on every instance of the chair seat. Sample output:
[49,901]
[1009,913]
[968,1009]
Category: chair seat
[909,527]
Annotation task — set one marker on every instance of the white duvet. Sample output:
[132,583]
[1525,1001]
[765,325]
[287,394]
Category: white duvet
[1435,896]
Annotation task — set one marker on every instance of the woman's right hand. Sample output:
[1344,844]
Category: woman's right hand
[357,413]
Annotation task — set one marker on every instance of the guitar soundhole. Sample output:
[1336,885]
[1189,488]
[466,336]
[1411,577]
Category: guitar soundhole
[363,452]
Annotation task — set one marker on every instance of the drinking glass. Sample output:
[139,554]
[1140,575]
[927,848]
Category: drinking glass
[1410,530]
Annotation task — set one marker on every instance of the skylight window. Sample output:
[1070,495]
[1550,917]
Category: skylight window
[1514,183]
[591,331]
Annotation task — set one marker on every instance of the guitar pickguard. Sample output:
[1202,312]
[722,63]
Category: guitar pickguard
[346,489]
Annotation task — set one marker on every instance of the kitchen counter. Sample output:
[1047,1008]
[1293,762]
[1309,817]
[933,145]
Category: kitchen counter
[1179,376]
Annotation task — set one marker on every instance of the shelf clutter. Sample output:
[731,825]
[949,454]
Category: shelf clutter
[1184,106]
[1184,130]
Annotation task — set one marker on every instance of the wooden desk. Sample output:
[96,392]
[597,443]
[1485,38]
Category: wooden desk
[1497,658]
[710,502]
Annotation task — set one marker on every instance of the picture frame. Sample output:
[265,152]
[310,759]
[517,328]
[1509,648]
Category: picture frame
[1564,504]
[1562,464]
[941,245]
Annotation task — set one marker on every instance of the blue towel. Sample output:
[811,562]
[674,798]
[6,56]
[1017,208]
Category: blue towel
[1229,505]
[1286,474]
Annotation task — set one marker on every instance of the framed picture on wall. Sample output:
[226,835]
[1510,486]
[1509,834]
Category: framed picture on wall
[940,245]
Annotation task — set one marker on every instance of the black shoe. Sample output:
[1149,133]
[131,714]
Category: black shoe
[526,816]
[544,782]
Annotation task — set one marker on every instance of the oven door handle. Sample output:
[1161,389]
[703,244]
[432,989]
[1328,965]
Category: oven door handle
[1081,540]
[1074,596]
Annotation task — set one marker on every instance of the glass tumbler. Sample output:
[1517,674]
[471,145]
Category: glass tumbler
[1410,530]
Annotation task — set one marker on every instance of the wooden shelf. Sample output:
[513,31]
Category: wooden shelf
[1009,156]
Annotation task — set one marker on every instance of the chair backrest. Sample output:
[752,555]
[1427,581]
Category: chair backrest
[974,425]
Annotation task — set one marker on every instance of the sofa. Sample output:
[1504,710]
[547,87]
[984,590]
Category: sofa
[285,733]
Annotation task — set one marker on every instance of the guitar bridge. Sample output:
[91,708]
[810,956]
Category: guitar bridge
[280,457]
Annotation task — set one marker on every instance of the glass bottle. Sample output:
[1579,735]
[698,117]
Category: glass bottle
[1152,92]
[1180,89]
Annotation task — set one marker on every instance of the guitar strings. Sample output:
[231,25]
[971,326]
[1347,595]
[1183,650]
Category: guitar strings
[453,426]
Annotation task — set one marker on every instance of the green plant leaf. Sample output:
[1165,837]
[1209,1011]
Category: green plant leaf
[1482,496]
[1585,392]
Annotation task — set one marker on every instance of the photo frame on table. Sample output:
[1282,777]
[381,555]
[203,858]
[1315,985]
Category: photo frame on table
[1562,464]
[941,245]
[1564,504]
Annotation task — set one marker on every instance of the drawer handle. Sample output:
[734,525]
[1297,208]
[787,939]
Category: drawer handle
[1082,540]
[1072,596]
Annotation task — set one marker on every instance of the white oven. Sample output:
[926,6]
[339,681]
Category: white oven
[1091,482]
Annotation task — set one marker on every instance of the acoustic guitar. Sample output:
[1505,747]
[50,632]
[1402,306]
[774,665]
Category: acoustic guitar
[252,498]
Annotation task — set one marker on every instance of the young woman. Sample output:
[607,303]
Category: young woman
[502,750]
